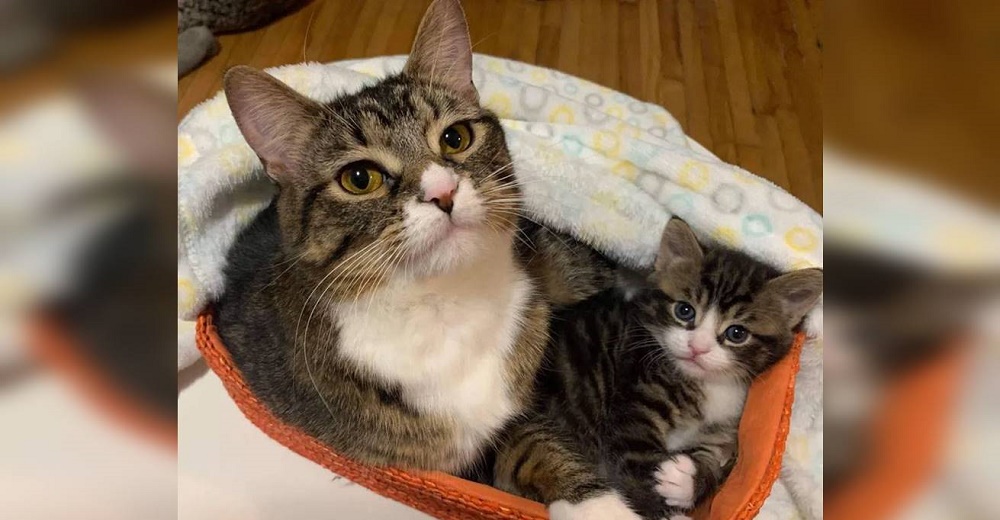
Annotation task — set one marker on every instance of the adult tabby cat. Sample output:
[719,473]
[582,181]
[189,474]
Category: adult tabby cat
[383,302]
[642,397]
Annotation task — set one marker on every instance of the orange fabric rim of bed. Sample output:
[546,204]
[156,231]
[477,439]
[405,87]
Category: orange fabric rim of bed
[762,435]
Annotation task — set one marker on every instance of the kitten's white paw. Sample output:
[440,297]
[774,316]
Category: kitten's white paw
[678,517]
[605,507]
[675,481]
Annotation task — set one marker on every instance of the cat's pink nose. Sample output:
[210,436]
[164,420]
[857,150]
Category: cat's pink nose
[438,185]
[698,350]
[445,201]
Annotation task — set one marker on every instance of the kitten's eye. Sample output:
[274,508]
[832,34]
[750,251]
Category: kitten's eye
[456,138]
[737,334]
[361,178]
[684,311]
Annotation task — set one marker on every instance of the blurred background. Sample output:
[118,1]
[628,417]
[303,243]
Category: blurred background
[912,260]
[902,167]
[87,204]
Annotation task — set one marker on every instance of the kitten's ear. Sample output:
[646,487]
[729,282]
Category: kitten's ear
[678,245]
[678,263]
[442,51]
[796,293]
[275,120]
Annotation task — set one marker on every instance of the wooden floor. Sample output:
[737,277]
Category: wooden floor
[742,76]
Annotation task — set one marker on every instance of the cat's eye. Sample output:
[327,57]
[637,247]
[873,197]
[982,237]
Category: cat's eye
[684,311]
[361,178]
[457,138]
[737,334]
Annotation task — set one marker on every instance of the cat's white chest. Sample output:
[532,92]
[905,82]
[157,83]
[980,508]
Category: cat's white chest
[445,342]
[723,402]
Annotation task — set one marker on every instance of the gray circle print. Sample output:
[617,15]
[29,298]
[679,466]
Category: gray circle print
[728,198]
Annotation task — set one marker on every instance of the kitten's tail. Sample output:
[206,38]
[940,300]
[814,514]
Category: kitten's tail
[194,46]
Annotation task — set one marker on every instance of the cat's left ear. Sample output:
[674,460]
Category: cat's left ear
[796,293]
[442,51]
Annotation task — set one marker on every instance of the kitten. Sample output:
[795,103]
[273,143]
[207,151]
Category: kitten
[642,397]
[384,302]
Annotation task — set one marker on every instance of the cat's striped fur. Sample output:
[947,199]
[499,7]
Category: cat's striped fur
[398,326]
[618,409]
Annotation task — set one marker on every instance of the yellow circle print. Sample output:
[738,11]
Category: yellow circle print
[500,104]
[187,152]
[803,263]
[562,114]
[694,176]
[801,239]
[185,294]
[608,143]
[625,170]
[726,235]
[627,130]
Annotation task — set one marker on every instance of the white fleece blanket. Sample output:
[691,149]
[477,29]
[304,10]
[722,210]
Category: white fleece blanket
[595,163]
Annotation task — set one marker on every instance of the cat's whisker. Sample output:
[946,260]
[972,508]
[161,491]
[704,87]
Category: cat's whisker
[374,273]
[392,265]
[499,170]
[305,334]
[527,243]
[513,181]
[305,350]
[320,283]
[305,38]
[345,264]
[294,261]
[386,267]
[377,273]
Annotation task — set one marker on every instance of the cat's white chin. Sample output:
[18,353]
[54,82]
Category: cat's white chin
[456,247]
[439,242]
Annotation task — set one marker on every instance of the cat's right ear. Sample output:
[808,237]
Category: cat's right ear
[276,121]
[678,246]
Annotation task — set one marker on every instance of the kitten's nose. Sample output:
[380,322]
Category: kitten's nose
[698,350]
[438,185]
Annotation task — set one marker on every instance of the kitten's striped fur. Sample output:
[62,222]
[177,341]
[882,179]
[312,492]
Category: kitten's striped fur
[616,408]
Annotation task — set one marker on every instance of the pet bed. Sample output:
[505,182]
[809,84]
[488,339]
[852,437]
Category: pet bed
[597,164]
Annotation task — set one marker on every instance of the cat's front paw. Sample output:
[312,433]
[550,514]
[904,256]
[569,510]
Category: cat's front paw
[609,506]
[675,481]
